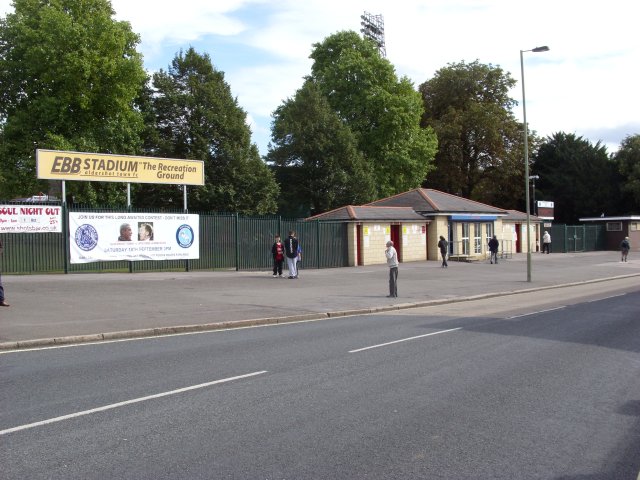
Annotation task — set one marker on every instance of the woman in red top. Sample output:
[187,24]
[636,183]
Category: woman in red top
[277,250]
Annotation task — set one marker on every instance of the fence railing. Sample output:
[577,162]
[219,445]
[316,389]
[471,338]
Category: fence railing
[227,241]
[577,238]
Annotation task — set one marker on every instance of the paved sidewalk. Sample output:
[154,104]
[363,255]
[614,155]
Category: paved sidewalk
[57,309]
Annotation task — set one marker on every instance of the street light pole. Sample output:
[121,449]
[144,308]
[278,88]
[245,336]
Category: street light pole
[533,179]
[526,157]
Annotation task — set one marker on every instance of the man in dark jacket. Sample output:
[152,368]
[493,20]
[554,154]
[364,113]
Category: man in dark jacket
[291,251]
[443,245]
[493,248]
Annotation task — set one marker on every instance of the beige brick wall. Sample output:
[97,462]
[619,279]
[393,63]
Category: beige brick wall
[438,226]
[374,239]
[376,235]
[352,238]
[414,242]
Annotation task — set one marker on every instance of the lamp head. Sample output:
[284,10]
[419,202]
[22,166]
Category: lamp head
[541,49]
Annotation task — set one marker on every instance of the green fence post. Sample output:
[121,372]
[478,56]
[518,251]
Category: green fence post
[236,230]
[318,242]
[130,261]
[65,235]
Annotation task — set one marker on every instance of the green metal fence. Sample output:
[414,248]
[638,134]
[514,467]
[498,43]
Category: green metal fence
[577,238]
[227,241]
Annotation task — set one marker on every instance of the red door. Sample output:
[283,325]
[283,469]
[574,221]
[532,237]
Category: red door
[395,238]
[358,245]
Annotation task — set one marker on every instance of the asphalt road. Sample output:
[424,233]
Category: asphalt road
[539,385]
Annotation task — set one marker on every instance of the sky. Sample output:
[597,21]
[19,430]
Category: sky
[586,84]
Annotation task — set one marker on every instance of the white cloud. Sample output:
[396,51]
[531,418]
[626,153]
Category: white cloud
[586,83]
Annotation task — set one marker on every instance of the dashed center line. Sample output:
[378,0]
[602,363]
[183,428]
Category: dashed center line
[404,340]
[607,298]
[537,312]
[126,402]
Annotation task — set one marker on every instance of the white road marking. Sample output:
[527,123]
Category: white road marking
[126,402]
[607,298]
[404,340]
[537,312]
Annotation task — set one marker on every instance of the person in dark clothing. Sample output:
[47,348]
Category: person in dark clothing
[625,246]
[291,252]
[443,246]
[494,244]
[277,250]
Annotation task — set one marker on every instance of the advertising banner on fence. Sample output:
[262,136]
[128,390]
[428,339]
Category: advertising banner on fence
[99,236]
[100,167]
[30,218]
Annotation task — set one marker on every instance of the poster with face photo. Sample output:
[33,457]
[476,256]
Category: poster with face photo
[99,236]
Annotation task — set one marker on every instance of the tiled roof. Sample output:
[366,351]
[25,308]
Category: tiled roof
[429,201]
[374,213]
[518,216]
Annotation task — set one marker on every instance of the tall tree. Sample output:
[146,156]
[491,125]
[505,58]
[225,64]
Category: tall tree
[317,157]
[381,110]
[480,154]
[627,159]
[577,176]
[69,74]
[196,117]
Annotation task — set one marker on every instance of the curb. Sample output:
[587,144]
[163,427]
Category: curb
[206,327]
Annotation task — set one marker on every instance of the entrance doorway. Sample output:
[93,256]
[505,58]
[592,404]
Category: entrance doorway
[395,238]
[359,245]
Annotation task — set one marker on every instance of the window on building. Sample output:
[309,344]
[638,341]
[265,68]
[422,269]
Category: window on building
[465,239]
[633,226]
[489,229]
[477,238]
[614,226]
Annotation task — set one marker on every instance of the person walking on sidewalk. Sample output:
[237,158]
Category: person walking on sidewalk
[291,252]
[443,246]
[2,302]
[277,250]
[625,246]
[494,244]
[546,242]
[392,262]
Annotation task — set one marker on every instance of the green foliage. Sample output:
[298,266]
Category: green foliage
[381,110]
[577,176]
[316,157]
[191,114]
[627,159]
[480,148]
[69,74]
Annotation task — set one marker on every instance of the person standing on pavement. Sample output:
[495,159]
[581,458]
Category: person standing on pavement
[277,250]
[443,246]
[546,242]
[625,246]
[291,252]
[2,302]
[494,244]
[392,262]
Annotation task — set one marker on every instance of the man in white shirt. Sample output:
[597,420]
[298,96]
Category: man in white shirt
[392,261]
[546,242]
